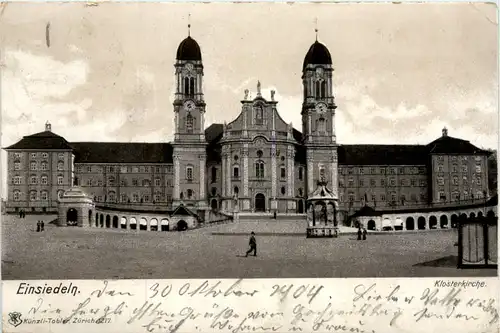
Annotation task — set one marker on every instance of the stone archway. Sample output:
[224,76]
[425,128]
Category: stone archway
[421,223]
[143,224]
[101,220]
[108,221]
[410,223]
[96,219]
[454,220]
[214,204]
[123,222]
[115,221]
[164,225]
[300,205]
[490,214]
[72,217]
[260,202]
[371,225]
[443,221]
[90,217]
[182,225]
[432,222]
[133,223]
[153,224]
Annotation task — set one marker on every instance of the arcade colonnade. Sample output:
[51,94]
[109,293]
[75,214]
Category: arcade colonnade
[423,221]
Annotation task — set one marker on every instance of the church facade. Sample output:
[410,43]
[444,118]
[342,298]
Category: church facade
[256,163]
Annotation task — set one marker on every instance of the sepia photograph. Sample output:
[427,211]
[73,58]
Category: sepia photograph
[251,140]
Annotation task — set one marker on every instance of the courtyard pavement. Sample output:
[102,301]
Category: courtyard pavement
[217,252]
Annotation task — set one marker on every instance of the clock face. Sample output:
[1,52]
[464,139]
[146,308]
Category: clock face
[189,105]
[321,107]
[319,72]
[189,67]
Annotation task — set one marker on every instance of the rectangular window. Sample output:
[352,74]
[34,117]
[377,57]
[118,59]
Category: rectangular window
[44,180]
[413,182]
[361,183]
[373,182]
[33,166]
[382,182]
[382,171]
[17,166]
[401,171]
[392,182]
[422,182]
[89,182]
[17,180]
[157,182]
[60,156]
[300,173]
[382,197]
[146,198]
[392,171]
[135,197]
[124,198]
[236,172]
[146,169]
[351,182]
[440,181]
[189,173]
[478,169]
[60,180]
[134,182]
[351,197]
[169,183]
[33,155]
[361,171]
[123,169]
[372,171]
[464,168]
[341,182]
[17,155]
[283,173]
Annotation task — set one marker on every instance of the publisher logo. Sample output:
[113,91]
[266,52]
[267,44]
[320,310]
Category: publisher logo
[15,319]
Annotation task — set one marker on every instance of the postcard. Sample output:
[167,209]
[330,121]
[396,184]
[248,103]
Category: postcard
[249,167]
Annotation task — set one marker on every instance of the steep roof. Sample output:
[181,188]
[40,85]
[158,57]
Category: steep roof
[382,154]
[122,152]
[45,140]
[450,145]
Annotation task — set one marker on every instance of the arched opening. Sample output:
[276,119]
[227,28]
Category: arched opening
[398,225]
[260,202]
[386,225]
[432,222]
[443,221]
[300,207]
[101,220]
[72,217]
[214,204]
[108,221]
[454,220]
[421,223]
[410,223]
[143,224]
[96,219]
[153,224]
[115,221]
[182,225]
[123,222]
[462,218]
[490,214]
[133,223]
[472,216]
[90,217]
[164,225]
[371,225]
[480,214]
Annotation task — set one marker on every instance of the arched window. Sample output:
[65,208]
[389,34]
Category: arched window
[259,115]
[322,173]
[60,166]
[321,125]
[323,89]
[214,174]
[17,195]
[191,86]
[111,196]
[186,86]
[189,123]
[236,171]
[259,169]
[214,191]
[317,89]
[301,171]
[282,172]
[189,173]
[259,153]
[60,194]
[111,181]
[283,190]
[189,193]
[33,195]
[236,190]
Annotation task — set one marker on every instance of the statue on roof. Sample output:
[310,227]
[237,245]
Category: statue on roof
[258,88]
[246,94]
[272,95]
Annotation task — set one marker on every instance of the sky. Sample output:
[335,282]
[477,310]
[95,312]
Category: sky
[402,71]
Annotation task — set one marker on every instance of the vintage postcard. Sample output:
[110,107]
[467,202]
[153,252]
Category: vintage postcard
[249,167]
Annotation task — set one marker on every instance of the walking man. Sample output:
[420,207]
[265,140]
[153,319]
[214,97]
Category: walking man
[359,232]
[42,225]
[253,245]
[38,226]
[364,233]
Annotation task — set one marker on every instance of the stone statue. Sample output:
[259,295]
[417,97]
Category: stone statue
[246,94]
[272,95]
[258,88]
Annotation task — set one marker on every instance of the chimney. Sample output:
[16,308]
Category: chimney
[48,127]
[445,131]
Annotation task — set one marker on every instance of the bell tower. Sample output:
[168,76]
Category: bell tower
[318,118]
[189,142]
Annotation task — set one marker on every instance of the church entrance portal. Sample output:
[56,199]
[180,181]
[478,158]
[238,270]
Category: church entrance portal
[260,202]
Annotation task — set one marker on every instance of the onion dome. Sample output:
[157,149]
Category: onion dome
[318,54]
[189,50]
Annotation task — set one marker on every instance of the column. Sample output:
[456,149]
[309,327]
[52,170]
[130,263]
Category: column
[176,177]
[334,171]
[223,172]
[202,176]
[273,171]
[334,135]
[245,170]
[228,175]
[290,180]
[310,169]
